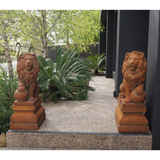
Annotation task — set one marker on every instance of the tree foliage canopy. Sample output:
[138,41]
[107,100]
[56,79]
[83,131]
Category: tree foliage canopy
[43,28]
[50,27]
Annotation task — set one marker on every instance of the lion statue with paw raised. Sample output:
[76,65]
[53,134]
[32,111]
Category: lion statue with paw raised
[27,69]
[134,74]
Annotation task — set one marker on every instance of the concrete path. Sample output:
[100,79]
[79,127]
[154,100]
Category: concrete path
[93,115]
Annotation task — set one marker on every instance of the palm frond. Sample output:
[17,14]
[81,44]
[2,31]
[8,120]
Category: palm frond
[69,74]
[95,61]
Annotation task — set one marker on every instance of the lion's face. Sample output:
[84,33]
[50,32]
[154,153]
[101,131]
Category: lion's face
[28,62]
[27,66]
[134,67]
[133,63]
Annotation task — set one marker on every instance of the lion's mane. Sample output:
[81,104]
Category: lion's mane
[22,71]
[139,76]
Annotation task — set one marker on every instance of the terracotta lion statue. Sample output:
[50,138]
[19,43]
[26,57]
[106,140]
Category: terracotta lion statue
[27,69]
[134,74]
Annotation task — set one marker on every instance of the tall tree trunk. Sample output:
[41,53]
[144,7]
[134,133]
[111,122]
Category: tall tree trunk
[67,42]
[8,57]
[44,34]
[67,38]
[44,45]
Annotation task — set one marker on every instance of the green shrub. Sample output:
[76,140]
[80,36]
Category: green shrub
[96,62]
[69,75]
[81,95]
[7,89]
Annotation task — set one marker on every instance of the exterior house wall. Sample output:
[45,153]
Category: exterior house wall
[132,34]
[138,30]
[153,78]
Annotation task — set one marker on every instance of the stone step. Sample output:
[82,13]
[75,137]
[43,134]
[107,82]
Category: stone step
[78,140]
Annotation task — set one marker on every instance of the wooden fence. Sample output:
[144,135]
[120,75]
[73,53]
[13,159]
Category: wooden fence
[93,49]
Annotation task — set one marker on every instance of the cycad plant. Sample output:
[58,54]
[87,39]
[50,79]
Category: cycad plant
[67,77]
[96,62]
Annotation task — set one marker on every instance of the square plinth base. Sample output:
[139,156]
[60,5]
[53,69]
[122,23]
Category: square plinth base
[130,118]
[27,126]
[28,115]
[131,128]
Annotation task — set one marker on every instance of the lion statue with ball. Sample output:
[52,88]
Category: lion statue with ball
[27,69]
[134,74]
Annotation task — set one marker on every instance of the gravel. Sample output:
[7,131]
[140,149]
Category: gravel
[93,115]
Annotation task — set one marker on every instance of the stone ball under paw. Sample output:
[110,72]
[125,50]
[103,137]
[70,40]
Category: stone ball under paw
[21,96]
[138,98]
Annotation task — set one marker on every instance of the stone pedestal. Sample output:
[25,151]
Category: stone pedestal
[130,117]
[29,115]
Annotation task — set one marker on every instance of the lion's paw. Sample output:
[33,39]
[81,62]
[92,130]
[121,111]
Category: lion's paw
[21,89]
[122,95]
[31,99]
[36,95]
[127,100]
[139,91]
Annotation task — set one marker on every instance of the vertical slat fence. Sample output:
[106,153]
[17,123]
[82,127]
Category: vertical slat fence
[93,49]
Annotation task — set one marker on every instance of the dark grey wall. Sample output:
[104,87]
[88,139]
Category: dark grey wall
[102,42]
[153,78]
[102,35]
[109,42]
[132,34]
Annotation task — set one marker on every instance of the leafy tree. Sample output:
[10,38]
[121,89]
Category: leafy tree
[50,27]
[10,34]
[7,32]
[80,27]
[39,26]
